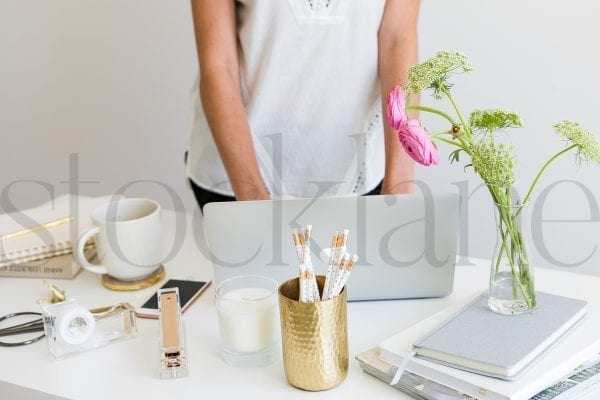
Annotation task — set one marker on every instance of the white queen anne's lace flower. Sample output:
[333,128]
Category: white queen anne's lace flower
[588,145]
[494,119]
[434,72]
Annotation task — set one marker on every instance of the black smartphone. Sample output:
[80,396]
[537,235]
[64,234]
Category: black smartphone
[189,291]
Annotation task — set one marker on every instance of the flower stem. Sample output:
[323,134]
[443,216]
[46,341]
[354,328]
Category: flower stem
[433,111]
[453,143]
[439,133]
[458,113]
[539,175]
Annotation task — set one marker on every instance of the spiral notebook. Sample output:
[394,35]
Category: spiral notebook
[43,232]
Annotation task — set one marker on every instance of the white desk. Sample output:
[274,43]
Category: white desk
[129,369]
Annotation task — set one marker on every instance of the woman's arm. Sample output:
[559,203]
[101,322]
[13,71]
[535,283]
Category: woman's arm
[216,41]
[397,52]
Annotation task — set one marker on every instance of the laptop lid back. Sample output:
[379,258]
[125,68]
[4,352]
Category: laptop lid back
[406,243]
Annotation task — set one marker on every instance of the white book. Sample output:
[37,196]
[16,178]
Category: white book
[569,353]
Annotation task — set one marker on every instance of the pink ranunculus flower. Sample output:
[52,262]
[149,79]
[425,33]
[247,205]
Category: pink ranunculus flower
[417,143]
[396,113]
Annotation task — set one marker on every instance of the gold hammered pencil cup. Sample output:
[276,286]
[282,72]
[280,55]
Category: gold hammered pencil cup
[314,338]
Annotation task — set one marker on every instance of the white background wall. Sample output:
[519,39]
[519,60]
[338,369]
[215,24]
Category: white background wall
[110,80]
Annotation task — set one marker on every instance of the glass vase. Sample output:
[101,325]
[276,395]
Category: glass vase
[512,289]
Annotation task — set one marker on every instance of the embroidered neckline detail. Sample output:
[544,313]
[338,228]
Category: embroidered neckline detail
[324,12]
[317,5]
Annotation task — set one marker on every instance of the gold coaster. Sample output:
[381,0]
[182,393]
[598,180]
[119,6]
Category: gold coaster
[122,286]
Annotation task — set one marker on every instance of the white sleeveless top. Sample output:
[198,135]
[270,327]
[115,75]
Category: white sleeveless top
[310,87]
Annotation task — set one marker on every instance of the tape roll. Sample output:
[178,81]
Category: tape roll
[76,325]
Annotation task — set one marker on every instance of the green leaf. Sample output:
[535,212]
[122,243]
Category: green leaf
[454,156]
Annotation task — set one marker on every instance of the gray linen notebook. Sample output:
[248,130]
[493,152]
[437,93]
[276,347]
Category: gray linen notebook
[481,341]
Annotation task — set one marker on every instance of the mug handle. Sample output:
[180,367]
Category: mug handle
[80,257]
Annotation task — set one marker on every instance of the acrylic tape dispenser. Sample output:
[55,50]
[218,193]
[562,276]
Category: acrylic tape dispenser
[71,328]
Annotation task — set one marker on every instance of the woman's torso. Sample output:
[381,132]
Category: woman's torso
[310,88]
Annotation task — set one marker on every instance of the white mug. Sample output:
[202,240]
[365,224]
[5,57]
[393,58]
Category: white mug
[128,237]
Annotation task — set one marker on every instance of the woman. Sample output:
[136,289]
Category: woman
[290,95]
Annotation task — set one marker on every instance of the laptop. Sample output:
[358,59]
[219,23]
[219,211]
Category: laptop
[407,244]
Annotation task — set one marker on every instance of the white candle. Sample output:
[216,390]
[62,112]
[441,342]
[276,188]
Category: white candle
[248,319]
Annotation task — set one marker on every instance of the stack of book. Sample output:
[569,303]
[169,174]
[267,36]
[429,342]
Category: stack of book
[469,352]
[579,382]
[38,242]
